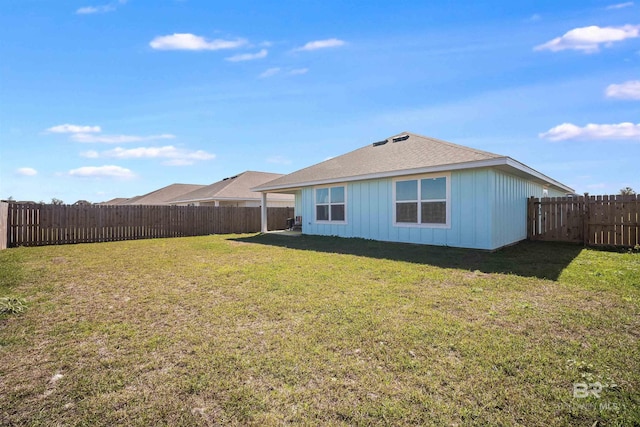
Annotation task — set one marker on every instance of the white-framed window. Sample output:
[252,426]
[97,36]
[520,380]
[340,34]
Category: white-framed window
[422,201]
[331,205]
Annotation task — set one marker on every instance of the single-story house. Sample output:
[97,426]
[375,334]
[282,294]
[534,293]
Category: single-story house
[236,191]
[415,189]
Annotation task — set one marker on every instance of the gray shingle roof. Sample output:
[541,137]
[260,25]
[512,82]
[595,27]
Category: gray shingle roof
[387,156]
[162,196]
[234,188]
[116,201]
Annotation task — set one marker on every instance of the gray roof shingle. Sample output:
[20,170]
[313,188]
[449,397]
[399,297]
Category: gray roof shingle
[116,201]
[387,156]
[161,196]
[234,188]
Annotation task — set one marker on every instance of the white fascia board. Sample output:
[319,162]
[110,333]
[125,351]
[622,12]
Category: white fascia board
[498,161]
[404,172]
[225,199]
[213,199]
[526,169]
[281,189]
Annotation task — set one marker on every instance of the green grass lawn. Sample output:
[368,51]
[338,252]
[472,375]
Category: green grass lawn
[269,330]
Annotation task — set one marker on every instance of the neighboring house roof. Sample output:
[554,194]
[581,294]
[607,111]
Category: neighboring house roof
[161,196]
[237,187]
[402,154]
[116,201]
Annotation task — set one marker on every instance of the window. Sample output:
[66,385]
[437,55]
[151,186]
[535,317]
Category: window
[407,201]
[330,204]
[422,201]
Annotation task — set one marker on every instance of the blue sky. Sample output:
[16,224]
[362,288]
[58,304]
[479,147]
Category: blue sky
[103,99]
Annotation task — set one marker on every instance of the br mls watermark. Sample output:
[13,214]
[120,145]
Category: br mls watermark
[583,390]
[594,390]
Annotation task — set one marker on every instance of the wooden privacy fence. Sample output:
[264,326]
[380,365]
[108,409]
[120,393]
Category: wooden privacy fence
[591,220]
[37,225]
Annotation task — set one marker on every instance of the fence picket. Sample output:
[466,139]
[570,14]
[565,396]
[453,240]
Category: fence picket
[37,225]
[592,220]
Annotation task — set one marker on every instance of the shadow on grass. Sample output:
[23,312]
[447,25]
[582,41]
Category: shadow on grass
[544,260]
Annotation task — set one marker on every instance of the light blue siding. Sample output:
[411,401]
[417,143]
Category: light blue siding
[470,214]
[509,222]
[488,211]
[367,211]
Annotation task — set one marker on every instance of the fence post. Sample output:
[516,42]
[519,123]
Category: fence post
[530,215]
[34,225]
[4,224]
[585,220]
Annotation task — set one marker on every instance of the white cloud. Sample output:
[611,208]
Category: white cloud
[88,10]
[186,41]
[117,139]
[589,39]
[67,128]
[27,171]
[321,44]
[88,134]
[175,156]
[592,131]
[535,17]
[298,71]
[248,56]
[626,90]
[620,5]
[279,160]
[91,154]
[109,7]
[269,72]
[108,171]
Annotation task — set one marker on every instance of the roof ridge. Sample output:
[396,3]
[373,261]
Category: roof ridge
[223,183]
[232,183]
[164,188]
[261,172]
[452,144]
[329,159]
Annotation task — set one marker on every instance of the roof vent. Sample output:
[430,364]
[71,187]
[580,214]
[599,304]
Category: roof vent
[384,141]
[400,138]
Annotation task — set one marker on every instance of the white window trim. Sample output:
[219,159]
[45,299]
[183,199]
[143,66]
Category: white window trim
[447,224]
[315,204]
